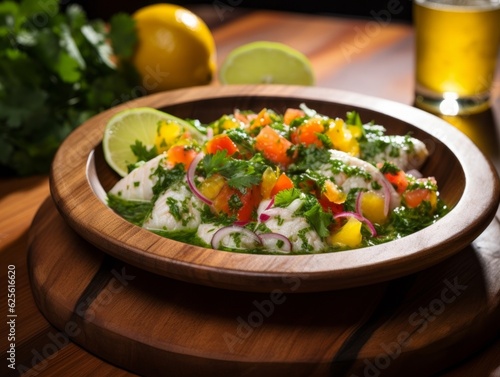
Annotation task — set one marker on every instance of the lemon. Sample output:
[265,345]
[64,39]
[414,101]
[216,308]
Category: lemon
[266,62]
[175,48]
[137,124]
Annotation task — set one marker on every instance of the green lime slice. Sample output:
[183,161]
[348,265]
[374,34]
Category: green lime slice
[128,126]
[266,63]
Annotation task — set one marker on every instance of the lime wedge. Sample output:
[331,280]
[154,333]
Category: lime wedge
[266,63]
[137,124]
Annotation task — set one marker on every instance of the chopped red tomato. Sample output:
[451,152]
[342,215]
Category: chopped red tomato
[181,154]
[283,183]
[273,146]
[398,180]
[221,142]
[244,118]
[307,133]
[414,198]
[249,201]
[291,114]
[327,205]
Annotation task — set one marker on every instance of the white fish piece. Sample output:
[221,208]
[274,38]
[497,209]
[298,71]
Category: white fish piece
[177,209]
[285,221]
[406,158]
[206,231]
[139,183]
[348,182]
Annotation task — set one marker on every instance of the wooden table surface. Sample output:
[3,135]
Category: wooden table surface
[366,56]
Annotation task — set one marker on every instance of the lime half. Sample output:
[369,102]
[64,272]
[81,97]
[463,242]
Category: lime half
[131,125]
[266,63]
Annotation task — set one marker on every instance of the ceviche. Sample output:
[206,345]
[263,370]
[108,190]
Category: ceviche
[292,183]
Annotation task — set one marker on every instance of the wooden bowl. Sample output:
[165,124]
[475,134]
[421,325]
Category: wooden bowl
[467,182]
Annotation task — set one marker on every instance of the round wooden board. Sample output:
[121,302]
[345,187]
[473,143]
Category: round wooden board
[153,325]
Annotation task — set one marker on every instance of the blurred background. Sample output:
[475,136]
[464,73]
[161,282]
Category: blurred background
[357,8]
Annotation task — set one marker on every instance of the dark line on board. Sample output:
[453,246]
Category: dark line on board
[32,353]
[392,298]
[100,280]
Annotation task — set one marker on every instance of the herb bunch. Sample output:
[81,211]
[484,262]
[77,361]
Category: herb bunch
[57,69]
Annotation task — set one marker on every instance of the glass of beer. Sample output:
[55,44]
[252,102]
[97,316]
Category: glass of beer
[457,45]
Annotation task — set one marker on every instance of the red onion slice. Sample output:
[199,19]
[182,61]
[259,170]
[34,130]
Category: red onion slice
[359,217]
[210,133]
[227,230]
[287,244]
[387,195]
[358,202]
[266,213]
[264,217]
[190,179]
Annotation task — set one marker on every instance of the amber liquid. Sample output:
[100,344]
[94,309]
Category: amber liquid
[456,48]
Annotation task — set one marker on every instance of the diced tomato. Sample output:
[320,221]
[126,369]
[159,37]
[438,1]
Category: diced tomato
[181,154]
[250,200]
[291,114]
[283,183]
[244,118]
[307,133]
[398,180]
[327,205]
[221,142]
[273,146]
[414,198]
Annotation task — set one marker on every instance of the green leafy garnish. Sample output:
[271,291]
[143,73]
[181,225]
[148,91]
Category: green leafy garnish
[240,174]
[56,74]
[132,210]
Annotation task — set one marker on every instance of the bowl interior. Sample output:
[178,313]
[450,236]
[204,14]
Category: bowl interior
[456,163]
[442,163]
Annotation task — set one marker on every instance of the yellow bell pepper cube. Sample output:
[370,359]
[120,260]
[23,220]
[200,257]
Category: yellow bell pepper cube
[348,235]
[372,207]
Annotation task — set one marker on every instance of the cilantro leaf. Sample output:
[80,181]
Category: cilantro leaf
[53,76]
[285,197]
[353,118]
[142,152]
[240,174]
[122,34]
[319,219]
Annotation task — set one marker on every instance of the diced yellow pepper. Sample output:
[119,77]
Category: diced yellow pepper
[166,135]
[433,199]
[356,131]
[212,186]
[269,178]
[348,235]
[372,207]
[342,138]
[230,123]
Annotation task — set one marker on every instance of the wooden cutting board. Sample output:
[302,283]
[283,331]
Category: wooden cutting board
[155,326]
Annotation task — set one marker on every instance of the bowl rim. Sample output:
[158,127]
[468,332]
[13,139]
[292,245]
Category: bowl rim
[71,189]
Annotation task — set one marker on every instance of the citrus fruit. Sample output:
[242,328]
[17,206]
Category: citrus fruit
[266,63]
[175,48]
[137,124]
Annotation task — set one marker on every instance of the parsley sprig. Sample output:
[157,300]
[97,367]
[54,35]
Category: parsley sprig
[57,69]
[240,174]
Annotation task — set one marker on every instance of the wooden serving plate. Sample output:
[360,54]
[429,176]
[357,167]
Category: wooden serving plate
[467,182]
[152,325]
